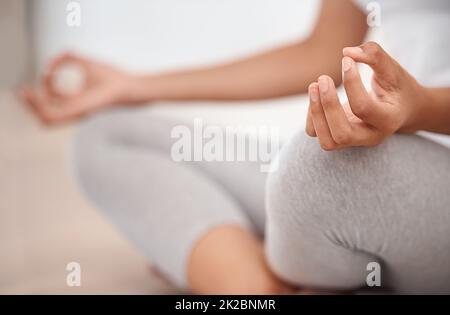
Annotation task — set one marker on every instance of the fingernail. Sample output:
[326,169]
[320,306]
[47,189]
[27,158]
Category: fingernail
[323,84]
[347,64]
[353,50]
[314,94]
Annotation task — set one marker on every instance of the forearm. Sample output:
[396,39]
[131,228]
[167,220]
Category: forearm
[434,115]
[280,72]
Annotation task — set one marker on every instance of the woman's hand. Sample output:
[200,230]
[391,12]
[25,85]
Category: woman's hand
[102,86]
[393,104]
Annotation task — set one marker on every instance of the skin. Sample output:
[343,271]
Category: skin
[397,103]
[230,259]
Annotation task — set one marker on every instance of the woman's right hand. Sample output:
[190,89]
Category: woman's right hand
[102,86]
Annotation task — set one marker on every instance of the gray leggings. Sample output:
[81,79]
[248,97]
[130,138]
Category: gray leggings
[323,215]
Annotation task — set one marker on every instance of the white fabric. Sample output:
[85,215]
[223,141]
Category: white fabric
[416,34]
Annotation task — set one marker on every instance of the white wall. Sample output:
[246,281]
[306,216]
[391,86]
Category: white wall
[156,35]
[162,34]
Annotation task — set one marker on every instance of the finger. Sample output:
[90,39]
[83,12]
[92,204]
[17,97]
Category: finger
[309,125]
[366,135]
[48,112]
[383,65]
[89,100]
[36,102]
[363,134]
[337,121]
[57,62]
[319,121]
[23,93]
[360,102]
[29,95]
[62,114]
[76,107]
[65,58]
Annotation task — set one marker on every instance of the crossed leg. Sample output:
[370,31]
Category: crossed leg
[328,213]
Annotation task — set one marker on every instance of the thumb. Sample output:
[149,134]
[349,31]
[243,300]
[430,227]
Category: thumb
[384,66]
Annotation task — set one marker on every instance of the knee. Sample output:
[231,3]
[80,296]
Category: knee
[305,181]
[354,197]
[311,183]
[316,198]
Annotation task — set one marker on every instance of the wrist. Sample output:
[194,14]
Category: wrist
[417,109]
[435,111]
[136,89]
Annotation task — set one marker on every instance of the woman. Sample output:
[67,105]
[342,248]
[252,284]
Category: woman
[381,195]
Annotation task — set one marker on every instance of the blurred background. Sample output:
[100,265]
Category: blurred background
[44,221]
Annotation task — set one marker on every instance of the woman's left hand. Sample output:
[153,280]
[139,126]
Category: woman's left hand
[393,104]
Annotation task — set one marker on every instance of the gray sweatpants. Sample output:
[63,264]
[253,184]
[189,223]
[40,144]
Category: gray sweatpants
[324,216]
